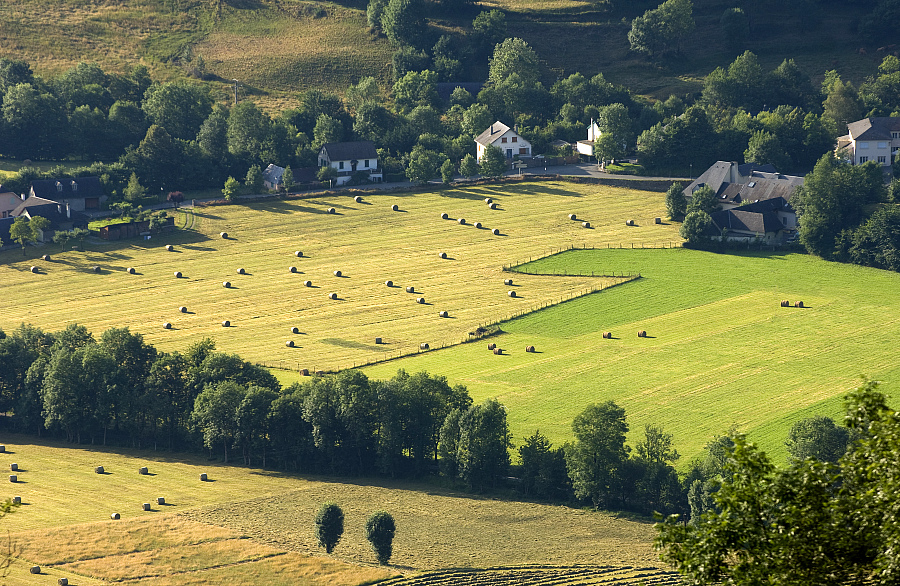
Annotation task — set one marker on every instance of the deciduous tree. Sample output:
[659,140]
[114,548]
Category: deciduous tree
[380,529]
[329,525]
[596,459]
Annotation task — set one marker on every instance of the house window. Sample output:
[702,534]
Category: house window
[863,145]
[882,159]
[503,139]
[895,135]
[366,163]
[58,186]
[863,159]
[74,186]
[523,151]
[882,145]
[341,165]
[515,139]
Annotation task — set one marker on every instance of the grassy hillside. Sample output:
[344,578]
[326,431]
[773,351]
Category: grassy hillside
[279,47]
[246,526]
[368,242]
[720,352]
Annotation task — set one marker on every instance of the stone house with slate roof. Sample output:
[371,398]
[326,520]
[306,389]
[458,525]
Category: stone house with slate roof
[872,139]
[507,139]
[754,202]
[272,176]
[351,157]
[62,216]
[80,193]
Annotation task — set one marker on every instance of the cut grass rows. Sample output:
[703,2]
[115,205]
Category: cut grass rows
[541,575]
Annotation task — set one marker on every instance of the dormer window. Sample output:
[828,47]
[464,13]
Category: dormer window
[58,186]
[74,186]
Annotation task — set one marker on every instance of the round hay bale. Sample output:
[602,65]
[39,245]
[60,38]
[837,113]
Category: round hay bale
[224,235]
[337,273]
[511,293]
[241,271]
[169,247]
[130,270]
[13,478]
[203,477]
[607,335]
[63,582]
[573,217]
[358,199]
[182,309]
[17,500]
[410,289]
[167,326]
[160,500]
[498,351]
[491,346]
[96,269]
[442,255]
[388,283]
[304,372]
[143,471]
[45,257]
[494,206]
[331,210]
[298,253]
[378,340]
[99,469]
[461,221]
[295,330]
[423,346]
[444,216]
[226,323]
[508,282]
[585,224]
[292,269]
[177,274]
[34,269]
[320,373]
[443,314]
[642,334]
[146,506]
[226,284]
[14,467]
[395,207]
[35,569]
[115,516]
[488,201]
[332,295]
[478,225]
[420,300]
[496,231]
[529,348]
[307,283]
[289,343]
[657,220]
[799,304]
[629,222]
[2,449]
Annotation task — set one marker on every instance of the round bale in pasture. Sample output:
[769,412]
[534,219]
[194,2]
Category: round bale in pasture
[34,269]
[337,273]
[292,269]
[115,516]
[585,224]
[573,217]
[14,467]
[167,326]
[17,500]
[443,314]
[307,283]
[358,199]
[226,323]
[461,221]
[295,330]
[785,303]
[2,449]
[226,284]
[177,274]
[491,346]
[798,304]
[130,270]
[160,500]
[331,211]
[96,269]
[304,372]
[146,506]
[99,469]
[424,346]
[378,340]
[63,582]
[182,309]
[203,477]
[657,220]
[488,201]
[388,283]
[224,235]
[298,253]
[332,295]
[498,351]
[629,222]
[508,282]
[35,569]
[444,216]
[478,225]
[45,257]
[169,247]
[494,206]
[410,289]
[529,348]
[13,478]
[395,208]
[511,293]
[496,231]
[241,271]
[607,335]
[442,254]
[143,471]
[420,300]
[289,343]
[642,333]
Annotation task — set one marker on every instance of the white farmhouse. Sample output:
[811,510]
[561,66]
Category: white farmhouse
[351,157]
[872,139]
[510,142]
[586,147]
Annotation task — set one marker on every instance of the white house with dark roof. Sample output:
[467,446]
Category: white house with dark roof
[80,193]
[872,139]
[754,201]
[351,157]
[586,147]
[507,139]
[8,202]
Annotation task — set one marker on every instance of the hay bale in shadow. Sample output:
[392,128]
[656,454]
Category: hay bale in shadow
[488,201]
[45,257]
[304,372]
[96,269]
[331,210]
[494,206]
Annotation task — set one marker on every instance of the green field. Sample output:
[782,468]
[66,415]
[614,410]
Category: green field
[368,242]
[720,352]
[248,526]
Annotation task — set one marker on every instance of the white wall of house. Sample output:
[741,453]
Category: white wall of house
[874,150]
[510,143]
[367,165]
[8,202]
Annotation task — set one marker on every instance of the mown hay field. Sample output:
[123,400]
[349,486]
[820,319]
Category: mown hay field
[720,350]
[248,526]
[367,242]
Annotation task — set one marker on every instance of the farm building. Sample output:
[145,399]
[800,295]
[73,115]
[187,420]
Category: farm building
[79,193]
[872,139]
[504,138]
[351,157]
[586,147]
[754,201]
[62,217]
[272,176]
[8,202]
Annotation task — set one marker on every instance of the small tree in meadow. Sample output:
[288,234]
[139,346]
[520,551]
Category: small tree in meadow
[62,238]
[676,204]
[468,167]
[175,198]
[329,525]
[380,528]
[231,188]
[447,171]
[24,230]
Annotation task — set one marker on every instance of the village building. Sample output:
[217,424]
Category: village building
[349,158]
[79,193]
[872,139]
[63,217]
[507,139]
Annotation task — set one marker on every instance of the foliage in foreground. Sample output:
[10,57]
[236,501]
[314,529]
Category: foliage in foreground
[810,523]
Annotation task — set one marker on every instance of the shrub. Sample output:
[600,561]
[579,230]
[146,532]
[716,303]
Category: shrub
[329,526]
[380,529]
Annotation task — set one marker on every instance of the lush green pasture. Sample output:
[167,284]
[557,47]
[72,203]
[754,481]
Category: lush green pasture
[720,352]
[247,526]
[368,242]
